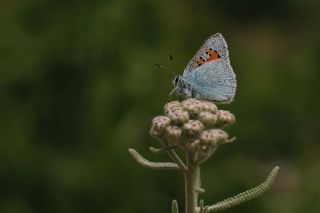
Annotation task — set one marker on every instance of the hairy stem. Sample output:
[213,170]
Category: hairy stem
[190,189]
[198,188]
[174,156]
[152,165]
[244,196]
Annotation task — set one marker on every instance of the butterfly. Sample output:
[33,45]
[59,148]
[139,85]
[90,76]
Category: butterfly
[208,74]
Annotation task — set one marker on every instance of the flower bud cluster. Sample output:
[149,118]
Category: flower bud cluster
[198,121]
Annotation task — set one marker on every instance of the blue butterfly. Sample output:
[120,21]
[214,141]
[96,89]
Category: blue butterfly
[209,74]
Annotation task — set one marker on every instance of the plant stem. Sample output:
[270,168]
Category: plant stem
[174,156]
[189,179]
[197,183]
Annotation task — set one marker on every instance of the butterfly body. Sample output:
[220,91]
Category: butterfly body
[209,74]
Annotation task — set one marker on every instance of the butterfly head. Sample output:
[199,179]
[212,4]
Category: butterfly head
[180,87]
[176,80]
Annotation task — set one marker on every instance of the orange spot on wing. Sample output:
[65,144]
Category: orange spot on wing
[213,55]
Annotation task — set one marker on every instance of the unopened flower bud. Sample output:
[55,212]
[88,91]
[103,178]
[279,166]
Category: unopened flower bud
[202,148]
[194,145]
[207,118]
[156,133]
[172,106]
[173,133]
[193,106]
[193,128]
[160,123]
[178,117]
[209,107]
[225,118]
[213,136]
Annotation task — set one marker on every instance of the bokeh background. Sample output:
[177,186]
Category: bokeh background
[78,87]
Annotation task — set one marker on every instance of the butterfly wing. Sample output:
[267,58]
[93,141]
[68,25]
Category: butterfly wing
[213,81]
[217,44]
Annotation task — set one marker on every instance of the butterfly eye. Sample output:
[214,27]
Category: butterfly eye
[176,79]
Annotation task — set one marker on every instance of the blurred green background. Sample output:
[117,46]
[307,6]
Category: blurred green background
[78,87]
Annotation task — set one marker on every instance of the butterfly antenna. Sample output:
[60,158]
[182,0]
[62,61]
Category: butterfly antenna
[166,68]
[171,93]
